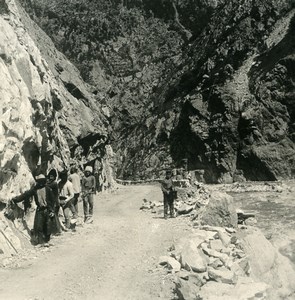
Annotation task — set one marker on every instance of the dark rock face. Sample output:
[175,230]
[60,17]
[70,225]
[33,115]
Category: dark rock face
[207,81]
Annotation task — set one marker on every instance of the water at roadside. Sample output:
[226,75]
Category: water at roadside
[275,215]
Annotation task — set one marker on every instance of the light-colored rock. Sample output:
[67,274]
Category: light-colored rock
[216,263]
[241,267]
[243,290]
[170,262]
[222,275]
[260,251]
[222,256]
[197,279]
[250,222]
[185,209]
[173,264]
[40,114]
[216,245]
[224,237]
[220,211]
[192,258]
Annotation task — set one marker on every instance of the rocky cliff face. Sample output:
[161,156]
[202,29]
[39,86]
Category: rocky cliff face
[48,116]
[227,107]
[206,81]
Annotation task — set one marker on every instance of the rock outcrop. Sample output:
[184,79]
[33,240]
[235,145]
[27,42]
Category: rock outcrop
[49,118]
[247,267]
[212,82]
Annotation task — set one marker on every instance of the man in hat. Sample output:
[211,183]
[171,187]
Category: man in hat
[44,216]
[168,194]
[88,190]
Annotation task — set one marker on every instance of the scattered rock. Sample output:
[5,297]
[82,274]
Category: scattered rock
[220,211]
[185,209]
[224,237]
[261,253]
[216,263]
[170,262]
[192,258]
[186,289]
[216,245]
[223,257]
[250,221]
[222,275]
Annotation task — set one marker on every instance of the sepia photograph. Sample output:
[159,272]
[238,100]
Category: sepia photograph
[147,149]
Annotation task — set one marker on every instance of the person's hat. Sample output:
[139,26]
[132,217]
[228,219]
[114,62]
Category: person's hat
[88,169]
[40,176]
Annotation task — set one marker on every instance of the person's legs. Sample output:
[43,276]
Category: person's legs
[39,225]
[72,206]
[76,200]
[90,201]
[47,227]
[171,205]
[165,205]
[85,207]
[66,211]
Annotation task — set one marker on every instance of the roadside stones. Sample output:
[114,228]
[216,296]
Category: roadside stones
[262,254]
[185,209]
[213,258]
[147,204]
[192,258]
[222,275]
[216,245]
[220,211]
[170,262]
[185,289]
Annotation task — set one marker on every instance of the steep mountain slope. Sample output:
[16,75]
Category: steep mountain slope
[206,81]
[228,108]
[47,112]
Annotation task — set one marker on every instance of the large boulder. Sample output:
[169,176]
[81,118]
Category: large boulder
[220,211]
[268,265]
[192,258]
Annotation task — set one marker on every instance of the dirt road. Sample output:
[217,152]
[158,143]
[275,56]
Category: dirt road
[116,257]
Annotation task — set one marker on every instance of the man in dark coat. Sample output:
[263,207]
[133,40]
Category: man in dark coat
[44,216]
[168,194]
[52,183]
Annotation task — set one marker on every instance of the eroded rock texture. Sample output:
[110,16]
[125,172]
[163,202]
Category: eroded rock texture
[207,81]
[48,117]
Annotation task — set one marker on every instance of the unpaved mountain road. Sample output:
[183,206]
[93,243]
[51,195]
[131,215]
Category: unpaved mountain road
[116,257]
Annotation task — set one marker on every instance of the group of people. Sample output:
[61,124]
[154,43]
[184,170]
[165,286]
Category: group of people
[58,192]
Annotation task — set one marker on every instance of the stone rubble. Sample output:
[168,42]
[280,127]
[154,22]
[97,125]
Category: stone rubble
[228,262]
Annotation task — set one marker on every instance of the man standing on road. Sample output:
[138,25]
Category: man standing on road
[66,196]
[52,183]
[44,216]
[88,190]
[75,180]
[168,194]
